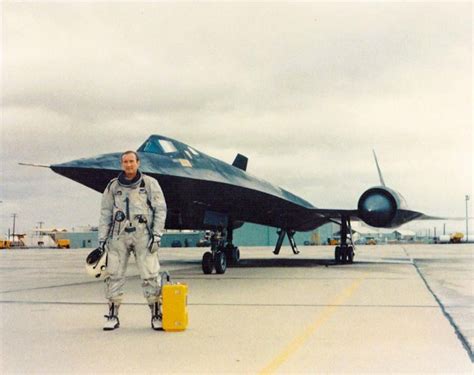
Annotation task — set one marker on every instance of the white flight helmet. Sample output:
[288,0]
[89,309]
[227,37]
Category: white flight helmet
[96,263]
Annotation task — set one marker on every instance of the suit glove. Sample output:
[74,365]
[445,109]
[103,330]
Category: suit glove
[154,243]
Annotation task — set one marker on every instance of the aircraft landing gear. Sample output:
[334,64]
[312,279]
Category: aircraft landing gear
[232,254]
[223,253]
[215,261]
[344,253]
[207,263]
[281,236]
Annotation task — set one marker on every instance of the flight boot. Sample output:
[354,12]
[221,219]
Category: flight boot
[156,317]
[112,321]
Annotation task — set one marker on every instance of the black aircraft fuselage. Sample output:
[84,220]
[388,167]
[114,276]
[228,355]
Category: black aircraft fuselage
[203,193]
[200,190]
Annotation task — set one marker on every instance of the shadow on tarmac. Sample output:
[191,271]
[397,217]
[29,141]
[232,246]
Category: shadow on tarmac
[292,263]
[282,263]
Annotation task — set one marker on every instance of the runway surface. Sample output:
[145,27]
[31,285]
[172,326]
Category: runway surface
[399,308]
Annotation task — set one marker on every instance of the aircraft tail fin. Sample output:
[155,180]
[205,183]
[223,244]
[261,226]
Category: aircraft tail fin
[240,162]
[382,182]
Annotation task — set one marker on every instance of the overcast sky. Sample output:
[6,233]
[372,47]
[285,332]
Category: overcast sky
[305,90]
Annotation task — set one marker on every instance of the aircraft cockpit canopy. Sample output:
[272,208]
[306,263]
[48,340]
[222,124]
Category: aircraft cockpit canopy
[168,147]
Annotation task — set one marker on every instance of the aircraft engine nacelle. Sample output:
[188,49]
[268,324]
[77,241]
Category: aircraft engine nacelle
[379,207]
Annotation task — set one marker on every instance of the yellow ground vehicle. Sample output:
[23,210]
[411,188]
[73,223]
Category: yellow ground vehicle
[63,243]
[456,237]
[5,244]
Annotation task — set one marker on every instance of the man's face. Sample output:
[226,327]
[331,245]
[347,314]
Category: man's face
[130,165]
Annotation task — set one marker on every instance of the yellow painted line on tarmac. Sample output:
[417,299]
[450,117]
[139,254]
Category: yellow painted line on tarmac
[299,340]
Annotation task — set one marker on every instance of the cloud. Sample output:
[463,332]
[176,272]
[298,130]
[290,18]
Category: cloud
[304,90]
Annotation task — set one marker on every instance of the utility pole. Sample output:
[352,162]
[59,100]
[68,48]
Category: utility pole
[40,224]
[14,219]
[467,220]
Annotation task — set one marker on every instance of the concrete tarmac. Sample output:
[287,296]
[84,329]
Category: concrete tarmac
[398,309]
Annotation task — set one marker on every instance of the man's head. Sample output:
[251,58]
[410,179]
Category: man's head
[130,163]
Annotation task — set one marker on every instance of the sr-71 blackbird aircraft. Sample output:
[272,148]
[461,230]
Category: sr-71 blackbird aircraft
[203,193]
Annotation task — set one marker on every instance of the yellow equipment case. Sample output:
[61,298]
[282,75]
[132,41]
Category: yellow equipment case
[174,305]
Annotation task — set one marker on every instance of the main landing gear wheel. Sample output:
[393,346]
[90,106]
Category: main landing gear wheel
[207,263]
[350,255]
[344,254]
[337,255]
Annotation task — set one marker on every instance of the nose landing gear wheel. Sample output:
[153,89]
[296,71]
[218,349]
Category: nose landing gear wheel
[220,262]
[207,263]
[350,255]
[233,255]
[222,252]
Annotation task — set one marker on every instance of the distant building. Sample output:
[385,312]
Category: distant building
[80,239]
[259,235]
[404,235]
[247,235]
[364,234]
[89,239]
[184,238]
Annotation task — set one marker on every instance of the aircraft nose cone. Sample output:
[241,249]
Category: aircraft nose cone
[107,161]
[93,172]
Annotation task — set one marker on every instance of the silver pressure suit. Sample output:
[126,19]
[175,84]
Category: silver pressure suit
[132,216]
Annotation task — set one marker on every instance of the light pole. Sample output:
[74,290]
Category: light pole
[14,220]
[467,220]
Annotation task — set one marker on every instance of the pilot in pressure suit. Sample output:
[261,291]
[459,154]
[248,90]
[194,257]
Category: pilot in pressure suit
[132,220]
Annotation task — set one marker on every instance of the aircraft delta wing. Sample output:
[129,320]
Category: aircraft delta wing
[204,193]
